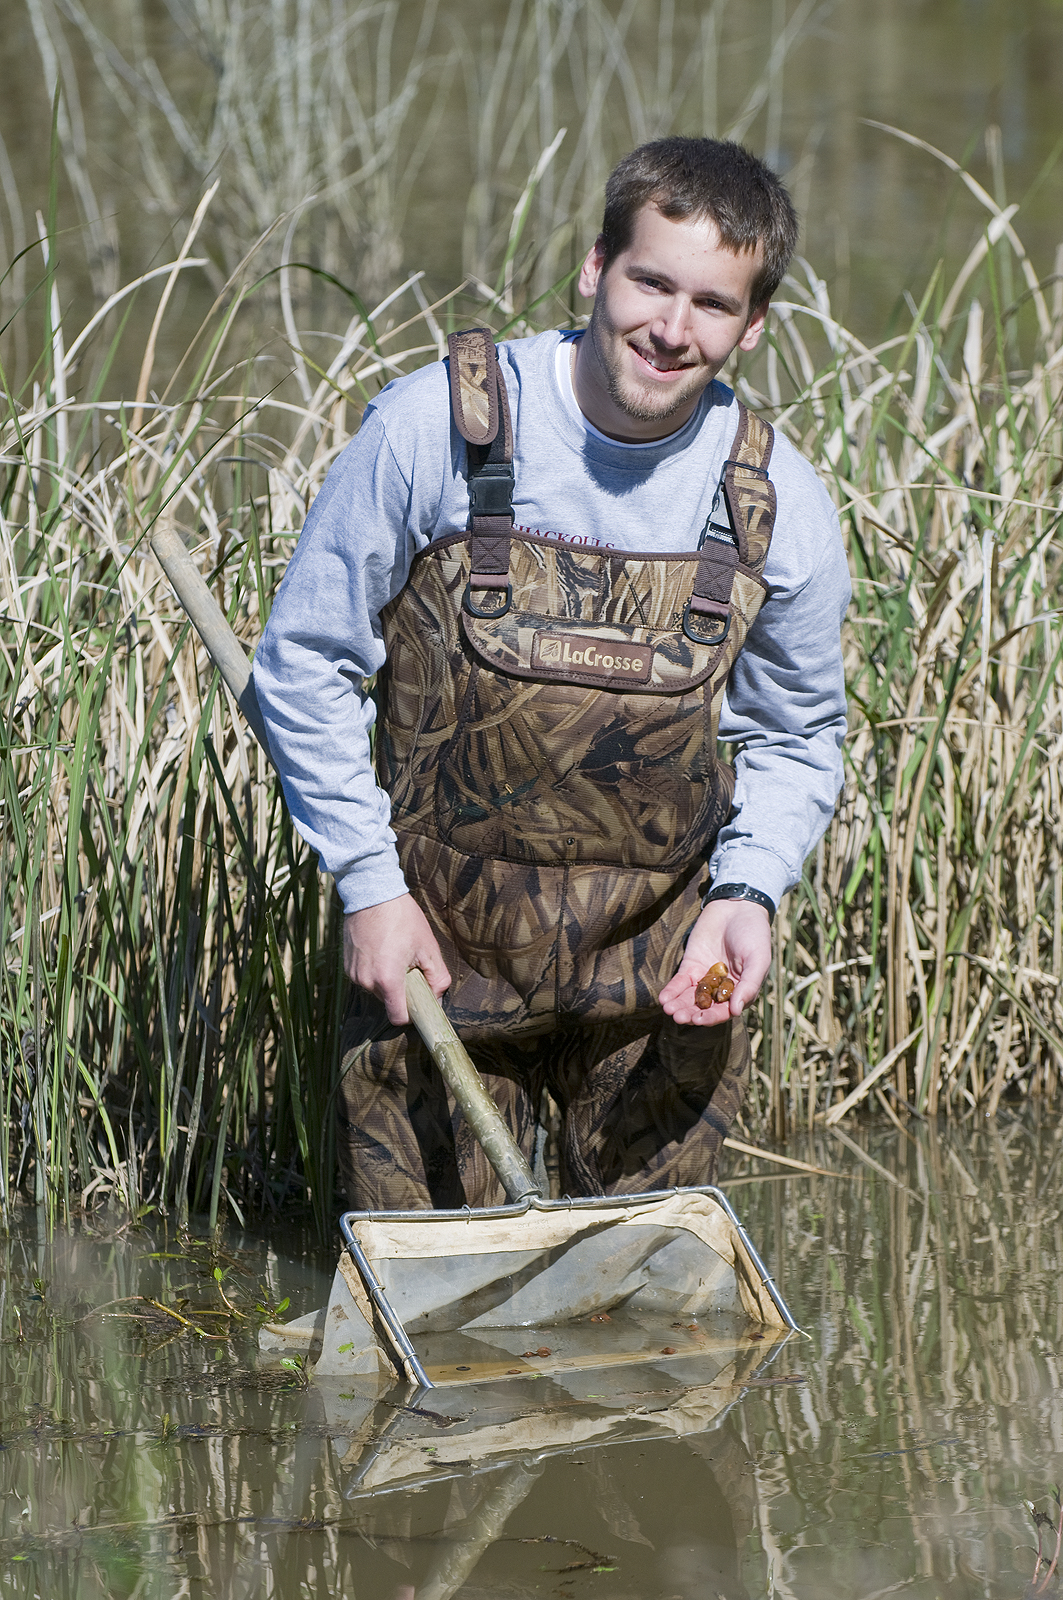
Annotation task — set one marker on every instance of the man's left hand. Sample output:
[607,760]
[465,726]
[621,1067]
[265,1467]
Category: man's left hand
[736,932]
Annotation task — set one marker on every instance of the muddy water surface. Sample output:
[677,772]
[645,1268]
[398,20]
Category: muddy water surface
[145,1449]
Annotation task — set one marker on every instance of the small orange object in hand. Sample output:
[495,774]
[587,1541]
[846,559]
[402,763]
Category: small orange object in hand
[716,985]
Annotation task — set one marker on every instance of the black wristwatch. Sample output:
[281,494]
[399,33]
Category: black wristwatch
[740,891]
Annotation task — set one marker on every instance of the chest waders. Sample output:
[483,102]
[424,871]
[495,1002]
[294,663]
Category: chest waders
[547,735]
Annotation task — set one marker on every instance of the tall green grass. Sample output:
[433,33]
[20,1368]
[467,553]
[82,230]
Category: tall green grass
[170,993]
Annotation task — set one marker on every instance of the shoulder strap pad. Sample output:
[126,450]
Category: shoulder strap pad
[750,496]
[750,492]
[474,380]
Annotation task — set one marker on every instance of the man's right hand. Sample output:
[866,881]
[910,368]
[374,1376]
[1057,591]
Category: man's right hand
[382,943]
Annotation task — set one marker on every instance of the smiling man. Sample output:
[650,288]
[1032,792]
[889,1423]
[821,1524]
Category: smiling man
[576,564]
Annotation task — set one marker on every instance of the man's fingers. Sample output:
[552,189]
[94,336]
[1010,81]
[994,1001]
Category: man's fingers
[435,970]
[685,1011]
[395,1006]
[677,988]
[734,933]
[438,977]
[745,992]
[382,943]
[677,1000]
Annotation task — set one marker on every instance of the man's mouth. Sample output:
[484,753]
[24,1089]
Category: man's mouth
[666,365]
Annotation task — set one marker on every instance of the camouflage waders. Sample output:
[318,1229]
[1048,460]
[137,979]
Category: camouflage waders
[547,735]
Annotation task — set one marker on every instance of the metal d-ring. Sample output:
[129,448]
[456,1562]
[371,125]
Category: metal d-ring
[477,611]
[697,638]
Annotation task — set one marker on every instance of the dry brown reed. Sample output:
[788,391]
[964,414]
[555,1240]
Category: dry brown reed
[927,934]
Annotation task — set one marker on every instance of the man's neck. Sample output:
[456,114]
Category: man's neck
[590,389]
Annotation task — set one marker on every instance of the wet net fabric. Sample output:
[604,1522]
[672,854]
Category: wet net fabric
[679,1255]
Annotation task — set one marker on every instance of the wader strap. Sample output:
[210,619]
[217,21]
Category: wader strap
[750,492]
[749,495]
[480,407]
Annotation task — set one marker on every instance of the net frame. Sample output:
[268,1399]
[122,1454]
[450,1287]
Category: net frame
[421,1234]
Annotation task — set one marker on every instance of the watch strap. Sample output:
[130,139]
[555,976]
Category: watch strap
[740,891]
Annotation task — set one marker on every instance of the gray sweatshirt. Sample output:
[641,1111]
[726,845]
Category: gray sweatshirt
[400,484]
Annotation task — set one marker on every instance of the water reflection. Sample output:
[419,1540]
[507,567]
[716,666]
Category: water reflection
[890,1451]
[932,1407]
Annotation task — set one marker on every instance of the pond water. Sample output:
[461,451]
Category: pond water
[416,126]
[889,1451]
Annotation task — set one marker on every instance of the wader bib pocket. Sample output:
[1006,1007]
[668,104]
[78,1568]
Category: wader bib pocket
[586,726]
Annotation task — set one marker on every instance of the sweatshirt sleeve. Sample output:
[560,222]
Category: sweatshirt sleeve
[785,710]
[322,641]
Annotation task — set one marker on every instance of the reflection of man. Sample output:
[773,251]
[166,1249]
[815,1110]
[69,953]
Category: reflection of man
[553,570]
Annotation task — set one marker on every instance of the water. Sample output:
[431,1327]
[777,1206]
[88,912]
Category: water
[444,127]
[890,1451]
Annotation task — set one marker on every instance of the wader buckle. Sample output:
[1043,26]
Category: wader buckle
[715,611]
[491,490]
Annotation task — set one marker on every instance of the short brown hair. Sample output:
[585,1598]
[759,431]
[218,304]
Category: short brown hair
[714,178]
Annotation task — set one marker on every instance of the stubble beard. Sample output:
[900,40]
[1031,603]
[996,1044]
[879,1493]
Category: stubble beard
[640,404]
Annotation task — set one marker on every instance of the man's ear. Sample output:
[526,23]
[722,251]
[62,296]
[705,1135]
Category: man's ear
[591,271]
[754,327]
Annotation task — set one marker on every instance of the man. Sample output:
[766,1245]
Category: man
[553,566]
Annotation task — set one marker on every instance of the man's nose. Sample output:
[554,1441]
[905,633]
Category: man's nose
[672,325]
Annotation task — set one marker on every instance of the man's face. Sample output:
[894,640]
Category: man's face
[668,312]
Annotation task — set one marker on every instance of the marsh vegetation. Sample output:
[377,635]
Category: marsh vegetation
[170,986]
